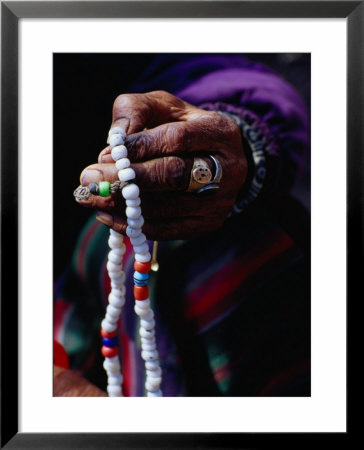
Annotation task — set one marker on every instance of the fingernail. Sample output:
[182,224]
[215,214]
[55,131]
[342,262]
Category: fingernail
[122,122]
[91,176]
[104,218]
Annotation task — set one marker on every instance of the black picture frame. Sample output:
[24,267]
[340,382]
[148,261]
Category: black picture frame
[11,12]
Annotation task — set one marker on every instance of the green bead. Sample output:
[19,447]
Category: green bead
[104,188]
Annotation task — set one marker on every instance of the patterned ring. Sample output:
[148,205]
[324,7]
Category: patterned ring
[200,175]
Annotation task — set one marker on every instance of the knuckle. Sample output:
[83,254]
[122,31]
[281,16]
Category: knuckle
[173,101]
[137,145]
[169,173]
[122,100]
[130,105]
[175,169]
[225,127]
[159,93]
[177,138]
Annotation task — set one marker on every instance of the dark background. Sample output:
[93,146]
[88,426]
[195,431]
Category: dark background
[84,89]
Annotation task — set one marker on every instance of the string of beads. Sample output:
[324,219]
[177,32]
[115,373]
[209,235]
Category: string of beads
[142,266]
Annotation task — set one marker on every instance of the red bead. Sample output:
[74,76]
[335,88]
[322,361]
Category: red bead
[109,352]
[106,334]
[143,267]
[141,292]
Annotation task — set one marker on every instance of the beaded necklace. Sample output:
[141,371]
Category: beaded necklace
[142,266]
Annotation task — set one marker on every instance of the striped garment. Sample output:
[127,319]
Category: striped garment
[232,311]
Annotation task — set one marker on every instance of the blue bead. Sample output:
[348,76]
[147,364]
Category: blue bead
[141,279]
[141,276]
[109,342]
[140,283]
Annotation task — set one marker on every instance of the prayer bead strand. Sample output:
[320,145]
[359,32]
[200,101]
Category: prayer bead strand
[142,267]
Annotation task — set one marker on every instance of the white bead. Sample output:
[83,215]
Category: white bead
[113,312]
[126,174]
[143,303]
[119,251]
[152,365]
[116,139]
[114,297]
[114,257]
[112,267]
[150,356]
[115,391]
[117,130]
[133,212]
[111,318]
[134,202]
[155,394]
[115,380]
[143,258]
[136,223]
[147,324]
[141,312]
[119,291]
[118,395]
[154,373]
[149,314]
[133,232]
[153,384]
[115,242]
[116,233]
[108,326]
[141,249]
[112,369]
[149,347]
[122,163]
[119,153]
[130,192]
[118,287]
[119,281]
[117,302]
[115,276]
[138,240]
[112,360]
[148,334]
[146,341]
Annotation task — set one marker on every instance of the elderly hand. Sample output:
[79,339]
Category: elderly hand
[164,134]
[67,383]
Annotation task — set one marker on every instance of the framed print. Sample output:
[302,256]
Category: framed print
[59,59]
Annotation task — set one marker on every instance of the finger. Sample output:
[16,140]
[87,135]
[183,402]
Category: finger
[148,110]
[202,134]
[105,156]
[159,206]
[98,172]
[171,205]
[171,173]
[167,229]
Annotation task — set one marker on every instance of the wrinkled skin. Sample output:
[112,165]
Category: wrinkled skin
[67,383]
[164,134]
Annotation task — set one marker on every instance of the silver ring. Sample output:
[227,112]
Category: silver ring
[218,170]
[213,185]
[200,175]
